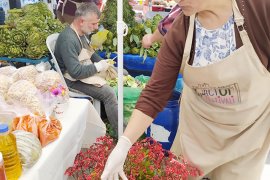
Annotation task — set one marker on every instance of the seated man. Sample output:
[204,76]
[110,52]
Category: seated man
[78,62]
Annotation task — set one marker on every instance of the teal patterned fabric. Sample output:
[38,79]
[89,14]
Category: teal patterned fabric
[213,45]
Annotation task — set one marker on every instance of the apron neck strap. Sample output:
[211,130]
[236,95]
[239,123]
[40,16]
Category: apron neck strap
[239,20]
[74,29]
[188,43]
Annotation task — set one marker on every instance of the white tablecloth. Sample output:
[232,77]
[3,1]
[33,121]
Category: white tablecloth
[81,125]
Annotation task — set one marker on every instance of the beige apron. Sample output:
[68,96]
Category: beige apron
[225,112]
[98,79]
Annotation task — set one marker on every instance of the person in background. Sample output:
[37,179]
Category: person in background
[78,62]
[222,48]
[65,10]
[162,29]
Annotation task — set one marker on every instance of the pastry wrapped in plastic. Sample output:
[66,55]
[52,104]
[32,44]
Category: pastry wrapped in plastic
[5,83]
[49,130]
[28,73]
[8,70]
[27,123]
[47,79]
[28,146]
[24,93]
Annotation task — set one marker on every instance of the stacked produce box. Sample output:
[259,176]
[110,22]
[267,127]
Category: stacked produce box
[25,31]
[132,42]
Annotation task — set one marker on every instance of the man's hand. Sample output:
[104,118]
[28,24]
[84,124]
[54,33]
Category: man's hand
[115,163]
[102,65]
[147,40]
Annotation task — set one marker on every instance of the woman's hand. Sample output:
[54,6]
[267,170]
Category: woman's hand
[115,163]
[147,40]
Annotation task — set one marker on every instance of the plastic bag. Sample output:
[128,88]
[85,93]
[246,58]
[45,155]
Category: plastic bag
[99,38]
[26,73]
[131,96]
[109,74]
[7,117]
[24,93]
[28,146]
[27,123]
[43,66]
[47,80]
[49,130]
[8,70]
[5,83]
[142,78]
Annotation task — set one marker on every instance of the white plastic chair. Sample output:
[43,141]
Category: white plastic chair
[50,42]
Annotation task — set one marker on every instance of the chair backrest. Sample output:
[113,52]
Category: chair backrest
[50,42]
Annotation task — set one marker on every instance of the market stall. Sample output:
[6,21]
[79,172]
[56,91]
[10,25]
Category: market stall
[81,126]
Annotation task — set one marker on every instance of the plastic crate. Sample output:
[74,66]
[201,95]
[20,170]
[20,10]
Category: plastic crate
[136,65]
[165,125]
[26,60]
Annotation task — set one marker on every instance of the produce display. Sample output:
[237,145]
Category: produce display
[136,31]
[128,81]
[131,92]
[29,90]
[25,31]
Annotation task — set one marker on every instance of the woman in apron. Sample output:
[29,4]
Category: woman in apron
[223,50]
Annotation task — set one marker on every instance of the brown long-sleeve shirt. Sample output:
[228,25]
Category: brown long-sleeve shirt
[159,89]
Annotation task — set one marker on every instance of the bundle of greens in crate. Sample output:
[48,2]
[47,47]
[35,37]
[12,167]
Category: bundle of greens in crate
[136,31]
[131,92]
[25,31]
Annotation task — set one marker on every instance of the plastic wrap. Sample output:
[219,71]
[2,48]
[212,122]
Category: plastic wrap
[47,79]
[7,117]
[49,130]
[28,146]
[5,83]
[26,73]
[8,70]
[27,123]
[24,93]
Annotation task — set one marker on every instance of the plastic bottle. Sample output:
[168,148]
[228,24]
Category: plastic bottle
[8,148]
[2,168]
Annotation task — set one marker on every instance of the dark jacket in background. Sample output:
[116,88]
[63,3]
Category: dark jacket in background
[67,14]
